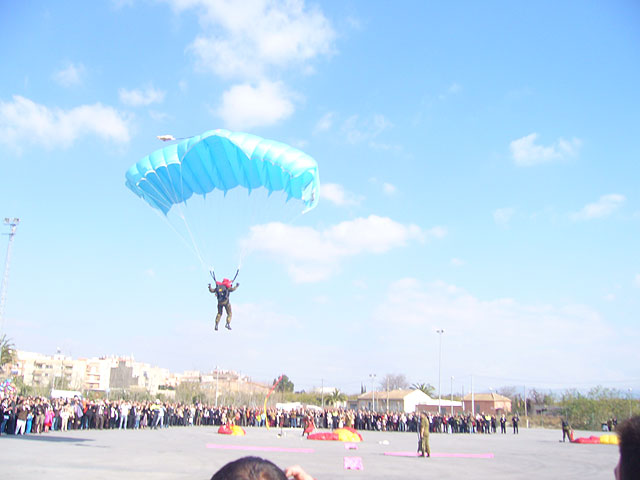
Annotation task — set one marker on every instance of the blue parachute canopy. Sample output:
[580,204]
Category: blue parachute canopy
[223,160]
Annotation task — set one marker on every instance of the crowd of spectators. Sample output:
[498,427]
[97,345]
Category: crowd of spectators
[26,415]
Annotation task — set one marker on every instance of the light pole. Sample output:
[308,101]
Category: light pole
[13,224]
[217,370]
[60,359]
[439,332]
[452,395]
[526,413]
[372,376]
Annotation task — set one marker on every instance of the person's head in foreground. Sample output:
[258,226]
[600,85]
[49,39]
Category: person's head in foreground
[628,467]
[249,468]
[256,468]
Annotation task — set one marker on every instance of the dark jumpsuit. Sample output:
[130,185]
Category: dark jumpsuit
[222,294]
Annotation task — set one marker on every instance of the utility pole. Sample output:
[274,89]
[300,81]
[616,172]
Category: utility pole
[452,395]
[13,224]
[473,403]
[387,393]
[526,416]
[439,332]
[217,371]
[372,376]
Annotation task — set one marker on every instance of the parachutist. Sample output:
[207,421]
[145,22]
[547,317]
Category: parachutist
[222,291]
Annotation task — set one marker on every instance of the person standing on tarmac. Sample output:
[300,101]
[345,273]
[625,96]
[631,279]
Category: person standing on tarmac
[423,439]
[566,431]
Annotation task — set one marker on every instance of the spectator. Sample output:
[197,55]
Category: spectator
[628,467]
[256,468]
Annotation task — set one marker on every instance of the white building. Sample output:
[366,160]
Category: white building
[48,370]
[393,400]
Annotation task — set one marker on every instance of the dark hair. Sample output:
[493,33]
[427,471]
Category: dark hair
[249,468]
[629,434]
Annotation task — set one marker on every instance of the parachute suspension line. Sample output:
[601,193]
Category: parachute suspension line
[161,192]
[268,210]
[193,247]
[194,243]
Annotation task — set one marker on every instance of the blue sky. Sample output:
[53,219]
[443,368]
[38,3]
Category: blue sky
[479,166]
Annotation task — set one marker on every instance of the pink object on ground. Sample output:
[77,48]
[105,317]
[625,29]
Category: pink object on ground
[353,463]
[259,449]
[447,455]
[350,446]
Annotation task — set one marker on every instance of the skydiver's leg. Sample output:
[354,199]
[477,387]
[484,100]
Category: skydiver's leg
[218,315]
[229,314]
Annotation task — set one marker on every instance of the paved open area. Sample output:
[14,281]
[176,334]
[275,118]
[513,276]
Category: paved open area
[197,452]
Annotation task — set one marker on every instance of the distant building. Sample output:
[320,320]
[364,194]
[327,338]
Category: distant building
[487,403]
[395,401]
[48,370]
[112,373]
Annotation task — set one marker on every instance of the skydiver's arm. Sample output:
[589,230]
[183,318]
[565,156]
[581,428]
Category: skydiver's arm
[233,289]
[212,290]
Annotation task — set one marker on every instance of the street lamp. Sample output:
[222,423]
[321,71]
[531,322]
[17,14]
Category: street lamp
[439,332]
[217,370]
[12,223]
[372,376]
[452,395]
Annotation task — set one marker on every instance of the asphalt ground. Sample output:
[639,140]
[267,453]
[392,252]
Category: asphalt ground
[198,452]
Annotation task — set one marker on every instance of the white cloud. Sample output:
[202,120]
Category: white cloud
[245,39]
[420,308]
[502,216]
[252,42]
[325,123]
[70,76]
[457,262]
[141,97]
[245,106]
[337,195]
[526,152]
[23,121]
[312,255]
[452,89]
[359,130]
[388,189]
[605,206]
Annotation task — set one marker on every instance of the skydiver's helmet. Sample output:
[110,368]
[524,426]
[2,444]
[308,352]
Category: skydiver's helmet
[226,282]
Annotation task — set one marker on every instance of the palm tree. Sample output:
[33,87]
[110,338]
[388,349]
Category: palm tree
[335,397]
[7,351]
[425,387]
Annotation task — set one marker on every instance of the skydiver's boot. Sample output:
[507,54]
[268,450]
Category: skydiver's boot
[228,326]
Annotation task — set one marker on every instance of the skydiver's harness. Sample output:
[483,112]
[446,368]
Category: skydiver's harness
[222,291]
[213,275]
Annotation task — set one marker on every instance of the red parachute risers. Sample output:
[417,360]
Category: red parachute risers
[231,430]
[346,434]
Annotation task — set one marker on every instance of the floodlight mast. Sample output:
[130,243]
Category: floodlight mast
[13,225]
